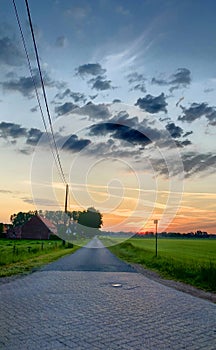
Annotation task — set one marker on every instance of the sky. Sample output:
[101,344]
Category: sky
[131,92]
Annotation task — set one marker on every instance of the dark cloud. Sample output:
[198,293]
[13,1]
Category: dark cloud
[25,85]
[33,136]
[154,134]
[72,143]
[186,143]
[93,97]
[34,109]
[120,132]
[100,83]
[110,148]
[90,110]
[124,128]
[62,95]
[140,87]
[180,99]
[94,112]
[165,119]
[135,78]
[160,138]
[10,53]
[15,131]
[196,163]
[160,82]
[12,130]
[174,130]
[66,108]
[188,133]
[76,96]
[129,137]
[90,69]
[198,110]
[138,80]
[182,144]
[153,104]
[182,78]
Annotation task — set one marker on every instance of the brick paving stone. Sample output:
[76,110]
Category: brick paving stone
[81,310]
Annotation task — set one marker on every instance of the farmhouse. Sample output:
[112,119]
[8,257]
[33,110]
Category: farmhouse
[38,227]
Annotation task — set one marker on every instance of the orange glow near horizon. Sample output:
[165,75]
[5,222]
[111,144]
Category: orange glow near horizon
[196,211]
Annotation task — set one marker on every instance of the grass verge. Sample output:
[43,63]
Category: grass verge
[29,255]
[201,274]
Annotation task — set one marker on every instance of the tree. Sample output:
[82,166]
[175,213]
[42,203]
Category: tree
[21,218]
[56,217]
[2,235]
[90,218]
[74,215]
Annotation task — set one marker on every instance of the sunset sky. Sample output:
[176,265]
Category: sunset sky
[131,89]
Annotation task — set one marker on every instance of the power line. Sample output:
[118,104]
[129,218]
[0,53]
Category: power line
[35,87]
[43,89]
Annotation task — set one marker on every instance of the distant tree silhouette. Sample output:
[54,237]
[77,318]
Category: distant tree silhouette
[2,230]
[90,218]
[74,215]
[21,218]
[84,223]
[56,217]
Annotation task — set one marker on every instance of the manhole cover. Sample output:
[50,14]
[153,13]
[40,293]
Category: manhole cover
[116,285]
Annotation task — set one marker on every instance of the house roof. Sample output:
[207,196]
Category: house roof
[48,224]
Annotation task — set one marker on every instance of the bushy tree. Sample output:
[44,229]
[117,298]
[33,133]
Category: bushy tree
[21,218]
[90,218]
[56,217]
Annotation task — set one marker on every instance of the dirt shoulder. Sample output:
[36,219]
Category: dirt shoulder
[183,287]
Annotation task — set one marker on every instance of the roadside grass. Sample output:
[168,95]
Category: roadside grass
[190,261]
[22,256]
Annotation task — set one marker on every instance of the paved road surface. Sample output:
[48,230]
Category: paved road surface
[59,308]
[90,258]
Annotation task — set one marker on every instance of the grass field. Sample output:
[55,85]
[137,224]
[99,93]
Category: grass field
[188,260]
[19,256]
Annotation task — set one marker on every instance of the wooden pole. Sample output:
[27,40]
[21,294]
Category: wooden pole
[66,210]
[66,198]
[156,237]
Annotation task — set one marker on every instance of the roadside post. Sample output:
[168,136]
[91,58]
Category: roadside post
[156,237]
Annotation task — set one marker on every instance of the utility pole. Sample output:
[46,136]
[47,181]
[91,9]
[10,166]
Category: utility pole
[156,238]
[66,198]
[66,203]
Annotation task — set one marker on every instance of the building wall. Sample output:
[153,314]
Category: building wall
[35,229]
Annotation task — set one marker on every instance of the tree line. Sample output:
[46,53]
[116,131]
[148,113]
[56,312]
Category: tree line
[89,218]
[76,222]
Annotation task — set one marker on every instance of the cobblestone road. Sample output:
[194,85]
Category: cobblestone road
[101,310]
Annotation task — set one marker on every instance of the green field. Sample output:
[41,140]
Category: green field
[188,260]
[19,256]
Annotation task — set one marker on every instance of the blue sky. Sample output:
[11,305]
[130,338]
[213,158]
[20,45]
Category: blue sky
[148,66]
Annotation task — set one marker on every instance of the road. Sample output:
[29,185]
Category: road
[93,257]
[91,300]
